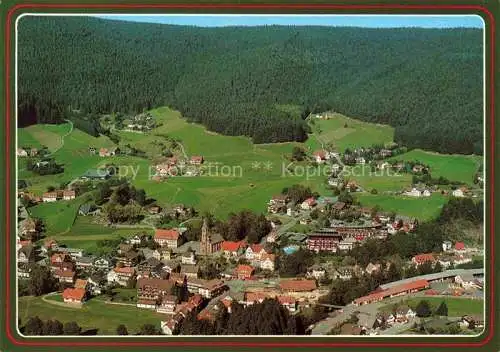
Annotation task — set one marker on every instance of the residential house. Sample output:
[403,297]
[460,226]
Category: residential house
[165,253]
[191,271]
[472,322]
[49,197]
[121,275]
[21,152]
[420,259]
[308,204]
[446,246]
[317,272]
[277,203]
[24,270]
[458,193]
[371,268]
[74,253]
[28,228]
[243,272]
[130,258]
[167,304]
[83,284]
[102,263]
[404,314]
[151,265]
[254,252]
[74,295]
[272,237]
[460,247]
[95,284]
[88,209]
[418,168]
[343,273]
[26,254]
[385,153]
[58,260]
[196,160]
[169,238]
[124,248]
[413,193]
[138,239]
[320,156]
[288,302]
[267,261]
[69,195]
[360,160]
[66,276]
[232,249]
[171,326]
[84,262]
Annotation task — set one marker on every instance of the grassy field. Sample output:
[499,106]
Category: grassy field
[344,132]
[239,174]
[59,216]
[453,167]
[94,314]
[381,180]
[456,306]
[84,234]
[424,208]
[43,134]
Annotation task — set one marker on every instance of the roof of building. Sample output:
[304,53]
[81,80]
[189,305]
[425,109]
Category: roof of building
[243,268]
[422,258]
[164,285]
[171,234]
[80,283]
[413,285]
[64,273]
[298,285]
[232,246]
[76,294]
[256,248]
[124,270]
[310,201]
[435,276]
[459,246]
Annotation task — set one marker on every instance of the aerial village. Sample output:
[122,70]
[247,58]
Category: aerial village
[175,276]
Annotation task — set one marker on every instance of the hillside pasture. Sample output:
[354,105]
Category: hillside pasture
[453,167]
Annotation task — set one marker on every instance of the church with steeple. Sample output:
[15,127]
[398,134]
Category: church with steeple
[210,242]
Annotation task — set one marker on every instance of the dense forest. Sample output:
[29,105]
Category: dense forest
[258,81]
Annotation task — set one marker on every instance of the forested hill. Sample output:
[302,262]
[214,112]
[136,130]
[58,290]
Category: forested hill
[258,81]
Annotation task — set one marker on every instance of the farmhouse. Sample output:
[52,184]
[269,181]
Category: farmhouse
[69,195]
[74,295]
[49,197]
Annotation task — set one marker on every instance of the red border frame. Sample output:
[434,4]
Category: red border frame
[482,9]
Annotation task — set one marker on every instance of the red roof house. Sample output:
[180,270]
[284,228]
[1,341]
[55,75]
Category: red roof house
[73,295]
[169,238]
[422,258]
[399,290]
[244,271]
[459,246]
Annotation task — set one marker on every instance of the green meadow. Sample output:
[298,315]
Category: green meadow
[453,167]
[94,314]
[424,208]
[456,306]
[237,173]
[344,132]
[58,217]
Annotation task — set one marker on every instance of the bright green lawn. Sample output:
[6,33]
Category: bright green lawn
[43,134]
[58,216]
[93,314]
[424,208]
[355,134]
[456,306]
[453,167]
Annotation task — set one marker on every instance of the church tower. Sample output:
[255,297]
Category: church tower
[205,245]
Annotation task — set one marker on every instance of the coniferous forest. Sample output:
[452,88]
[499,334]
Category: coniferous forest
[259,81]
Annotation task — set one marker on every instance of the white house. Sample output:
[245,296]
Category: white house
[458,193]
[446,246]
[413,193]
[188,258]
[308,204]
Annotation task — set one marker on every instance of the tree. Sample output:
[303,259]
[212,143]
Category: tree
[41,281]
[423,309]
[298,154]
[149,329]
[53,327]
[442,310]
[121,330]
[34,326]
[72,328]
